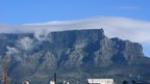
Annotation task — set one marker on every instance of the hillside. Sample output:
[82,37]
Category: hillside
[74,55]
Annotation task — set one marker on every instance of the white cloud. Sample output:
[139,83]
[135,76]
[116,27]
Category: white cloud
[25,43]
[125,28]
[11,50]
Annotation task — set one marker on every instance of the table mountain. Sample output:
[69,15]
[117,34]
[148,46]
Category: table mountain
[74,55]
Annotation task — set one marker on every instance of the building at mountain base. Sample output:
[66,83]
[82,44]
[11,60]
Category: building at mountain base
[100,81]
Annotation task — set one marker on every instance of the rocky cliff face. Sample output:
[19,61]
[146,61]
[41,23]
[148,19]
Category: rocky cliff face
[75,55]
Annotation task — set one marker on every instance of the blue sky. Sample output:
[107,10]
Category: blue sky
[36,11]
[28,11]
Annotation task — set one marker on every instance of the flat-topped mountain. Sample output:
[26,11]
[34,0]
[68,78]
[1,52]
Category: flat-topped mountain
[74,55]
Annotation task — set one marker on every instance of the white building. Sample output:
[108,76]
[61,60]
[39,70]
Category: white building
[100,81]
[52,82]
[26,82]
[65,82]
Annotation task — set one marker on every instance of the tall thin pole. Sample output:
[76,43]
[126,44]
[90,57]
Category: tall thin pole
[55,79]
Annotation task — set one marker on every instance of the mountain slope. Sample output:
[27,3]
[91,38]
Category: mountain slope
[75,55]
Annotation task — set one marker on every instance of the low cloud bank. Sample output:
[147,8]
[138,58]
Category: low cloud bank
[125,28]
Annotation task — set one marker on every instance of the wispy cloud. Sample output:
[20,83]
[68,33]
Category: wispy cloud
[126,28]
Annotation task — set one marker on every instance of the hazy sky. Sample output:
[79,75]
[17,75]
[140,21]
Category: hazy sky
[37,11]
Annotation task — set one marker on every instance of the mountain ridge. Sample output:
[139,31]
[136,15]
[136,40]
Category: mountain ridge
[75,55]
